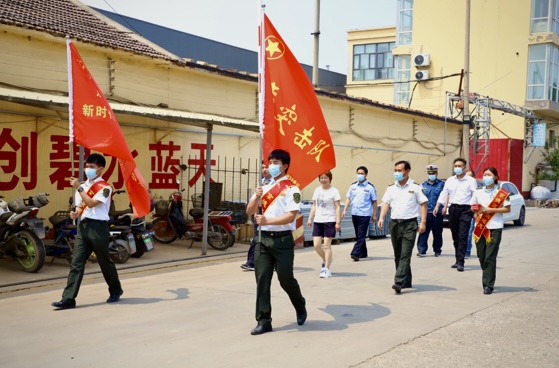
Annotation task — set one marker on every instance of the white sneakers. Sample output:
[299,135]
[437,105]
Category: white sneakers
[325,273]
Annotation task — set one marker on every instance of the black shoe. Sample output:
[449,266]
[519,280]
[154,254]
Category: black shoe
[259,330]
[355,258]
[454,265]
[487,290]
[301,317]
[460,268]
[437,254]
[397,288]
[64,304]
[421,255]
[247,267]
[115,297]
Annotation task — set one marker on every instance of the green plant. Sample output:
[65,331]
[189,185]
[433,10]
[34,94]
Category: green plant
[549,169]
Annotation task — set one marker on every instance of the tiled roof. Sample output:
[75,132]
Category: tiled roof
[65,17]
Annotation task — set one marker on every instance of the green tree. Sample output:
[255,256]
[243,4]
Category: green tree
[549,169]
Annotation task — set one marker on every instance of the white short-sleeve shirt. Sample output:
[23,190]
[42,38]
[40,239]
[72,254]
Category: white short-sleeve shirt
[404,200]
[325,200]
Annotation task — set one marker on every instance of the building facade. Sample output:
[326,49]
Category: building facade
[514,70]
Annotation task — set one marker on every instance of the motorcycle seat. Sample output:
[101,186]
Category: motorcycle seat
[5,216]
[56,220]
[196,212]
[119,228]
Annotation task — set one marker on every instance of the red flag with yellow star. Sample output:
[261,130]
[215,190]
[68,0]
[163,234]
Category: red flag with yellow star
[292,118]
[93,125]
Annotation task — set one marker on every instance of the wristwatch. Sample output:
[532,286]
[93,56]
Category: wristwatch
[80,189]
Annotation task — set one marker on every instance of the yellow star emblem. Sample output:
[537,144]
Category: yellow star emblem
[273,47]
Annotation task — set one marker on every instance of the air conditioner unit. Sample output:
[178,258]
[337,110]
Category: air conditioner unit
[421,60]
[422,75]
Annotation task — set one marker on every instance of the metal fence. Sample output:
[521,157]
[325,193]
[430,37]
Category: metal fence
[235,177]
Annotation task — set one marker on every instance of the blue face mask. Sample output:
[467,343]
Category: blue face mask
[488,180]
[90,173]
[432,177]
[274,170]
[458,170]
[398,175]
[360,177]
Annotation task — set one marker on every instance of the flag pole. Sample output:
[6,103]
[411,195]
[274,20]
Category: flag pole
[261,100]
[70,111]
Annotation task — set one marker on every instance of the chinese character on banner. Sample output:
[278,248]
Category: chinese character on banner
[292,118]
[60,161]
[164,168]
[9,147]
[200,162]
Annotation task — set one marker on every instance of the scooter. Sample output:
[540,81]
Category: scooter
[61,238]
[170,224]
[137,226]
[21,232]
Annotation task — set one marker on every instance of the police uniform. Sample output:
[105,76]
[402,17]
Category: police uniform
[433,223]
[404,204]
[277,249]
[361,196]
[93,236]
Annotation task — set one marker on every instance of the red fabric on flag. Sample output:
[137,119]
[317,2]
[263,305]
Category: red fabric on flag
[95,127]
[293,119]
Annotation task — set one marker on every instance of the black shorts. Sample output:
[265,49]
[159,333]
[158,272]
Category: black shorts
[324,229]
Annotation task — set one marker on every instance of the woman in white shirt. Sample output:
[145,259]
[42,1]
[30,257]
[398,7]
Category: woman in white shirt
[488,204]
[325,212]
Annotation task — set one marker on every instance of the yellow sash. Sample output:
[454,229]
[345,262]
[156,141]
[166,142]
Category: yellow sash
[482,220]
[271,195]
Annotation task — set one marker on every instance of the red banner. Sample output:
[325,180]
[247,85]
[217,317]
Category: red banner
[94,126]
[293,119]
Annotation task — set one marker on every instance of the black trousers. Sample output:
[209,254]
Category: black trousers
[459,219]
[361,226]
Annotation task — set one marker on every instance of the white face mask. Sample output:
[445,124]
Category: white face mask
[90,173]
[274,170]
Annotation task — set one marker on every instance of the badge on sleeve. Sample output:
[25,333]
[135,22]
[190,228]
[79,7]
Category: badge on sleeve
[297,197]
[106,192]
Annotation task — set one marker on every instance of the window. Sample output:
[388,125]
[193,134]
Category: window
[543,73]
[373,61]
[402,79]
[545,16]
[405,22]
[536,72]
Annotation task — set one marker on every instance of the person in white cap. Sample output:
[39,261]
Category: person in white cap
[432,188]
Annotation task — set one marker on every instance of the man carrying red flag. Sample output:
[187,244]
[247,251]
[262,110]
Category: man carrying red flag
[92,200]
[276,248]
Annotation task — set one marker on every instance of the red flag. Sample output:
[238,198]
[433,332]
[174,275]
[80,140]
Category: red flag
[292,118]
[94,126]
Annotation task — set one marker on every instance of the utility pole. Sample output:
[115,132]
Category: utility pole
[466,92]
[316,35]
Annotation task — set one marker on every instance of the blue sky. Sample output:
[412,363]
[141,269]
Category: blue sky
[235,21]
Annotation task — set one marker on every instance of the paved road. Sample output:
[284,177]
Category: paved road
[199,313]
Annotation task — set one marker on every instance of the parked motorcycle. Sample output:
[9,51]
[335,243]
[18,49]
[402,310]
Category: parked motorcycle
[61,238]
[169,224]
[125,218]
[21,232]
